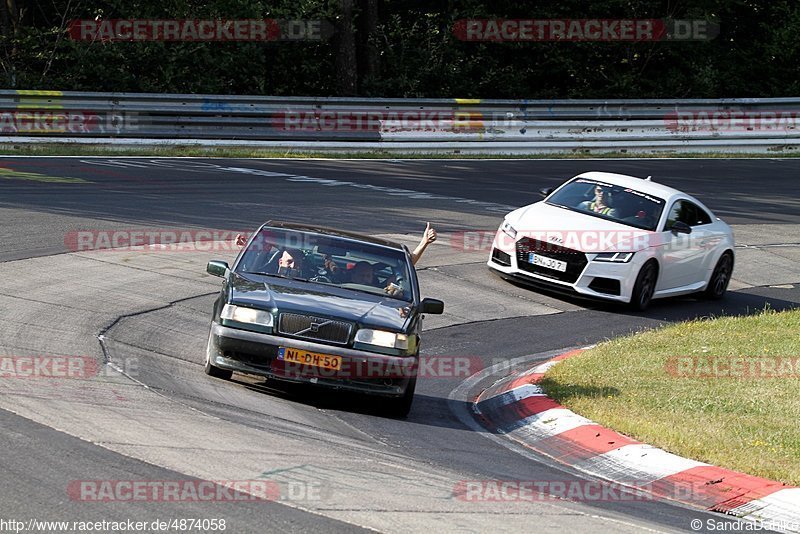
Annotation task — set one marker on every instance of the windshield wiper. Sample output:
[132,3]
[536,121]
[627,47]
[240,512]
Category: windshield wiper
[276,275]
[266,274]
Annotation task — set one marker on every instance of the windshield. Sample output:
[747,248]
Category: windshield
[609,201]
[328,260]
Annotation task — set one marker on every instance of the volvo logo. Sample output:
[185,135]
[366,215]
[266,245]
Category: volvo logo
[313,328]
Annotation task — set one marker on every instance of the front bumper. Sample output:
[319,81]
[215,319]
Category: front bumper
[257,354]
[609,274]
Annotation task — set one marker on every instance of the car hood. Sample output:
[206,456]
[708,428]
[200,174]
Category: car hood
[294,296]
[578,231]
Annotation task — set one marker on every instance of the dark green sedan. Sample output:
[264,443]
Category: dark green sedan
[321,306]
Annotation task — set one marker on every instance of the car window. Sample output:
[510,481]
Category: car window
[687,212]
[330,260]
[608,201]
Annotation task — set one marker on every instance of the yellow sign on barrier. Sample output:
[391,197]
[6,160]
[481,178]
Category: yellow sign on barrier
[33,99]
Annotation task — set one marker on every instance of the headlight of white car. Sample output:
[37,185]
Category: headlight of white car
[241,314]
[381,338]
[614,257]
[509,230]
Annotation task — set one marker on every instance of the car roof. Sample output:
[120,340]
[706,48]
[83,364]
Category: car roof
[639,184]
[324,230]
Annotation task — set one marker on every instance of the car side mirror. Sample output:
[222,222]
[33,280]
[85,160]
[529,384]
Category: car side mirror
[545,191]
[432,306]
[217,268]
[680,227]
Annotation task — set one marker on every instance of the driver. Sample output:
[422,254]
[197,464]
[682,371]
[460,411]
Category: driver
[601,203]
[291,263]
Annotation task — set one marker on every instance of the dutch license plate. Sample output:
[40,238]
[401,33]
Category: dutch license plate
[547,263]
[316,359]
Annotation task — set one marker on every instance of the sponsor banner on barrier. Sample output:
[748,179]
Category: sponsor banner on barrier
[749,367]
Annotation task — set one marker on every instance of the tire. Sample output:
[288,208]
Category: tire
[644,287]
[720,278]
[399,407]
[213,370]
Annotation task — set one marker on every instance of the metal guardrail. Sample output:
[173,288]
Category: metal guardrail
[412,124]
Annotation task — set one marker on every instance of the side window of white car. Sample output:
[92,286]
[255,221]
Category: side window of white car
[701,216]
[687,212]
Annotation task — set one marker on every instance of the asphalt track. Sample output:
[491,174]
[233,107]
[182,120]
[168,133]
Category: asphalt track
[45,199]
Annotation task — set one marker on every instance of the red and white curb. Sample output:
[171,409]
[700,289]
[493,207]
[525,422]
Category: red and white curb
[517,407]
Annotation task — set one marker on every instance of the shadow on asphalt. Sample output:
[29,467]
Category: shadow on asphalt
[749,301]
[426,409]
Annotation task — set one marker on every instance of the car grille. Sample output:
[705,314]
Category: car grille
[316,328]
[576,260]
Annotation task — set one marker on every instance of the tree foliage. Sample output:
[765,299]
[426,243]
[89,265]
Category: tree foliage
[407,48]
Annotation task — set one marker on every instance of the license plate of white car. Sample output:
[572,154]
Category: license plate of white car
[547,263]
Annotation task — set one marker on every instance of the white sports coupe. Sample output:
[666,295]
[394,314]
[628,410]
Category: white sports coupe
[616,237]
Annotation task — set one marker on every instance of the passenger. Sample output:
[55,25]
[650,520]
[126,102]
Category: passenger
[363,273]
[428,237]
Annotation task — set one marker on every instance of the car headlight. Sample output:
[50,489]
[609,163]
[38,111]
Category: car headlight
[509,230]
[381,338]
[614,257]
[240,314]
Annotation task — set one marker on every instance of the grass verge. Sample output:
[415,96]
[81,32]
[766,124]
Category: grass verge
[245,152]
[669,388]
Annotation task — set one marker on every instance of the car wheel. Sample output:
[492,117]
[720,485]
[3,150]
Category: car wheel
[644,287]
[213,370]
[720,278]
[400,406]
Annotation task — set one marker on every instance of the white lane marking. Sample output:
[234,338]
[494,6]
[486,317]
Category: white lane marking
[391,191]
[637,464]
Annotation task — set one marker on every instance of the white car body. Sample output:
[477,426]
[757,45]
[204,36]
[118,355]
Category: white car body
[686,263]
